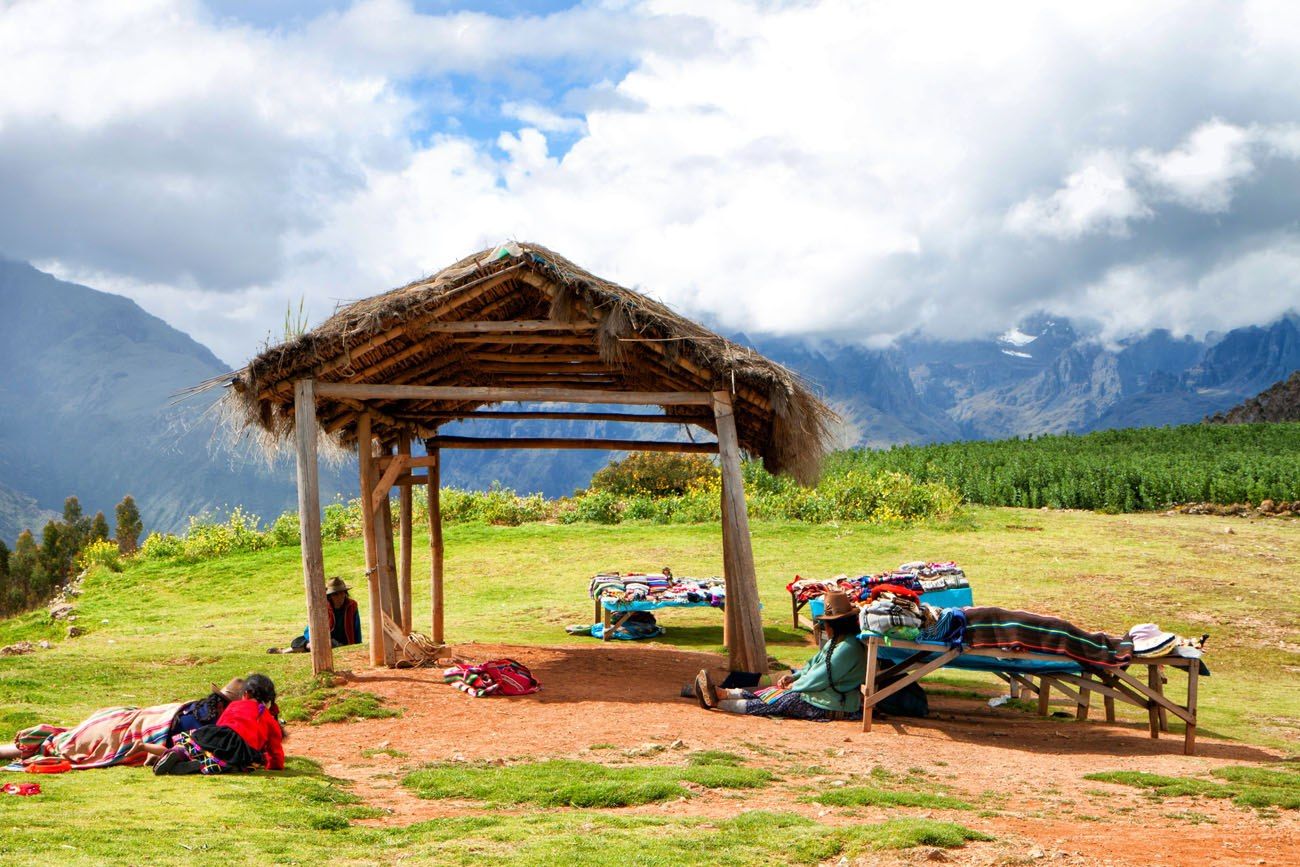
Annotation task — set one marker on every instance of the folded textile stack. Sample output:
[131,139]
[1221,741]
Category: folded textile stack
[919,577]
[660,587]
[897,611]
[1151,642]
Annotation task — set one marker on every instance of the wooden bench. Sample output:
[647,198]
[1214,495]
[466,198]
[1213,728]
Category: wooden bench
[1038,674]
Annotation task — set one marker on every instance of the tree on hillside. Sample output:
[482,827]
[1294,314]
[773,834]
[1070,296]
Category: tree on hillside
[77,531]
[4,577]
[24,564]
[53,559]
[129,526]
[98,528]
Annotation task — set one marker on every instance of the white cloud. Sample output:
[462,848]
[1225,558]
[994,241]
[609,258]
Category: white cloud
[1097,197]
[1202,171]
[845,168]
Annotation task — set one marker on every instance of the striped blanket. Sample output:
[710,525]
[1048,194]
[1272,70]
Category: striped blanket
[1002,629]
[108,737]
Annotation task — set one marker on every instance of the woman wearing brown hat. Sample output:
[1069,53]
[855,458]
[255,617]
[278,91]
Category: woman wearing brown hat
[344,620]
[826,688]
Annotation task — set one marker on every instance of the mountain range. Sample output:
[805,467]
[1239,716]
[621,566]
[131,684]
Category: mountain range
[86,402]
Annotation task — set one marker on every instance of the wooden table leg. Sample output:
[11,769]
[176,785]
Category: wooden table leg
[1159,686]
[1153,709]
[1044,694]
[1189,738]
[869,682]
[1085,699]
[605,620]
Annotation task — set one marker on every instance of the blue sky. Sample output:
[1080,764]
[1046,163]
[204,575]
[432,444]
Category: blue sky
[828,168]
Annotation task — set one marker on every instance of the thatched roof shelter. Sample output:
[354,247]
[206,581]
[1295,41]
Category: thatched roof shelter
[516,323]
[605,337]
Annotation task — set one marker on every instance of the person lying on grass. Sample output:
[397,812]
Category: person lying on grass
[826,688]
[120,735]
[247,734]
[344,620]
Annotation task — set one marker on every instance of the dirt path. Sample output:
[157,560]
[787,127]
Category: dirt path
[1026,771]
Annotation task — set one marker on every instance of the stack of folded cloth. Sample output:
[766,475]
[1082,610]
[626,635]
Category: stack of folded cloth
[897,611]
[660,587]
[919,577]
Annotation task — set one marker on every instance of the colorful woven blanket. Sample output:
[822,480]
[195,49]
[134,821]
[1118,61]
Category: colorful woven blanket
[999,628]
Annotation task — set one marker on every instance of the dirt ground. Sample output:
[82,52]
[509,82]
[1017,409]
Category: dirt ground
[1042,809]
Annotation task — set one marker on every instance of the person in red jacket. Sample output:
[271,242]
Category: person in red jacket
[247,733]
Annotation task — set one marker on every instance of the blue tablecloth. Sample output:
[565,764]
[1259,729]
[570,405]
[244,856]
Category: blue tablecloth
[648,605]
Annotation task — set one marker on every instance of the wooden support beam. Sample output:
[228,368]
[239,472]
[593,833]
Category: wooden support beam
[629,417]
[511,326]
[362,391]
[393,468]
[536,358]
[450,442]
[521,339]
[368,535]
[593,366]
[748,648]
[313,560]
[435,540]
[404,529]
[388,591]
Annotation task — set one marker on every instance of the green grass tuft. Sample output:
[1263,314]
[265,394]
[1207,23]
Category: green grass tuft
[333,705]
[1261,788]
[715,757]
[565,783]
[868,796]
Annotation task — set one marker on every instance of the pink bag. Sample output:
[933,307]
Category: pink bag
[512,677]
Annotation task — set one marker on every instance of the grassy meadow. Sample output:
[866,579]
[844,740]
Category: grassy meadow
[160,631]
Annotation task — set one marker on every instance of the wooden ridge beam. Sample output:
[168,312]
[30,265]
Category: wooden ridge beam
[509,326]
[519,339]
[535,357]
[630,417]
[456,442]
[495,394]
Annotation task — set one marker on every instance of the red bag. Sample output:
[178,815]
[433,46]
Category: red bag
[511,676]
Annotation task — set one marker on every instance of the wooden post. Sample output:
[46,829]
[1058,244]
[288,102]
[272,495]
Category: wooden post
[404,519]
[383,524]
[435,541]
[1153,709]
[377,642]
[1189,735]
[1044,695]
[313,560]
[869,682]
[747,648]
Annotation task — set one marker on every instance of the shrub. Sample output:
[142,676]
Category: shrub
[162,546]
[285,531]
[657,474]
[341,520]
[206,539]
[101,553]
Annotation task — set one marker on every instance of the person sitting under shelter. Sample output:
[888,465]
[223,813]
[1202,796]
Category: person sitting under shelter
[344,620]
[826,688]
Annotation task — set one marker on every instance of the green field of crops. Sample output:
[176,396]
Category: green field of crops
[1116,471]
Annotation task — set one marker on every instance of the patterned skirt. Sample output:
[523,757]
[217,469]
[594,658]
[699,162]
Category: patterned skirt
[778,701]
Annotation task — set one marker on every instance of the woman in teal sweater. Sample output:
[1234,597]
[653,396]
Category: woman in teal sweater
[828,687]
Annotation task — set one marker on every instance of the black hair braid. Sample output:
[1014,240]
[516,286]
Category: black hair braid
[260,688]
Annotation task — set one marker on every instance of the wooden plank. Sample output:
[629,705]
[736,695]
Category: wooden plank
[510,326]
[393,469]
[313,560]
[435,541]
[367,468]
[748,648]
[1044,695]
[1189,735]
[1153,709]
[404,530]
[536,357]
[490,394]
[523,365]
[530,415]
[869,682]
[388,592]
[447,442]
[524,339]
[1159,699]
[879,695]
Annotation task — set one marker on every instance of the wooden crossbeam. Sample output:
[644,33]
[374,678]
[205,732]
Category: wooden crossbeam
[447,442]
[630,417]
[509,326]
[520,339]
[537,358]
[495,394]
[395,466]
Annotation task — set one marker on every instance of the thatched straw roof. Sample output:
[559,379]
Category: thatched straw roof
[606,337]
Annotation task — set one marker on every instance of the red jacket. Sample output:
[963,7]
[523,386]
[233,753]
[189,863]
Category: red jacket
[257,725]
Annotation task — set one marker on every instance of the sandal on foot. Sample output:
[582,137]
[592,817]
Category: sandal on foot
[705,692]
[168,761]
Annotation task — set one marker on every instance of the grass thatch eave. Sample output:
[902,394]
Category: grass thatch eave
[634,343]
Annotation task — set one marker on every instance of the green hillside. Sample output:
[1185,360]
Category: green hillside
[159,631]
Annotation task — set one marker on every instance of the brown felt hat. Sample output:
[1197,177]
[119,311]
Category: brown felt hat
[336,585]
[233,690]
[836,605]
